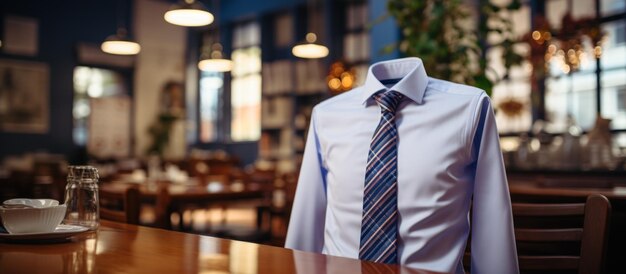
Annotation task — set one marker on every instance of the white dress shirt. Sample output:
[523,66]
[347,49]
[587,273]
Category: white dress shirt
[448,156]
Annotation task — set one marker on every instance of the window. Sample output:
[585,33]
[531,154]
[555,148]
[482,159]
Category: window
[613,72]
[211,87]
[576,82]
[611,7]
[246,83]
[586,89]
[92,84]
[511,94]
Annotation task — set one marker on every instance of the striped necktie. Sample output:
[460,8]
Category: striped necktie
[379,226]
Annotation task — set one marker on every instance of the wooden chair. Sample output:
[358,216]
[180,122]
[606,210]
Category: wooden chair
[276,215]
[120,206]
[163,209]
[562,238]
[48,177]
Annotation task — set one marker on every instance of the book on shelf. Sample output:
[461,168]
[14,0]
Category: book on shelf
[276,112]
[277,77]
[310,78]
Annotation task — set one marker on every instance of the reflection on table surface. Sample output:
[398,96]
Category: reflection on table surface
[123,248]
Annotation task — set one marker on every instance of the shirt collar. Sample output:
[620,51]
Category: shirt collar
[411,72]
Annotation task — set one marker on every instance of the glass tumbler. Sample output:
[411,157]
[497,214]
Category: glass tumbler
[81,197]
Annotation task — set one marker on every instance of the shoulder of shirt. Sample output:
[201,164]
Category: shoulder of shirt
[454,88]
[351,96]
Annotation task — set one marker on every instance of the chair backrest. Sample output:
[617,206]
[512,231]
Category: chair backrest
[120,206]
[162,208]
[566,237]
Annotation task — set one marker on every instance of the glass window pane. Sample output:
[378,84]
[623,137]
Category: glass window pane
[583,81]
[246,84]
[583,8]
[496,68]
[512,101]
[567,60]
[556,103]
[609,7]
[563,97]
[584,108]
[521,19]
[614,45]
[246,108]
[555,10]
[511,97]
[614,97]
[246,61]
[92,83]
[211,86]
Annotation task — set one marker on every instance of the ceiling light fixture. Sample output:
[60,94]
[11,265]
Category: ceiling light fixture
[120,44]
[215,61]
[189,13]
[309,49]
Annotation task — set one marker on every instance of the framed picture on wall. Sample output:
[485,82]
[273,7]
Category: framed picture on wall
[24,89]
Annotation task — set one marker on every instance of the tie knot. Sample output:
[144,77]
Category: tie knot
[388,100]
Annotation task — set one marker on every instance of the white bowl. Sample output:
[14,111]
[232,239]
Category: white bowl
[32,220]
[23,202]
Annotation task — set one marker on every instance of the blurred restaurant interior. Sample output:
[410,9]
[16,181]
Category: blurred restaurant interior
[226,106]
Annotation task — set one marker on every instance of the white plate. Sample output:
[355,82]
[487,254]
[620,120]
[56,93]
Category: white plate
[61,232]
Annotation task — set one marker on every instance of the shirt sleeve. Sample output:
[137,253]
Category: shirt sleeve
[306,227]
[493,239]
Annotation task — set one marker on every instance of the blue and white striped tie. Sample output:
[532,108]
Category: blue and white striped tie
[379,227]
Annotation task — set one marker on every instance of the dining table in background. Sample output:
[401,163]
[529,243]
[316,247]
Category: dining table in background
[170,197]
[124,248]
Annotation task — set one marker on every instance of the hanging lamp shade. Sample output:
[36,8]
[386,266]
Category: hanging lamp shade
[189,13]
[216,61]
[309,49]
[120,44]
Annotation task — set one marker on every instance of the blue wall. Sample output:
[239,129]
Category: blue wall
[234,10]
[382,34]
[62,25]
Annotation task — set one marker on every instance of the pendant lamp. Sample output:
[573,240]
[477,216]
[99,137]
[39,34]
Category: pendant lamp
[215,61]
[189,13]
[120,44]
[310,49]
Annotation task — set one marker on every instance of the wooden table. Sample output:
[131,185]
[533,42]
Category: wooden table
[123,248]
[170,197]
[218,192]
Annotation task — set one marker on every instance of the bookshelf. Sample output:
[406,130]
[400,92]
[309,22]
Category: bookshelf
[293,86]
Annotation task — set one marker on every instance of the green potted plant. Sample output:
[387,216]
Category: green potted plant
[439,32]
